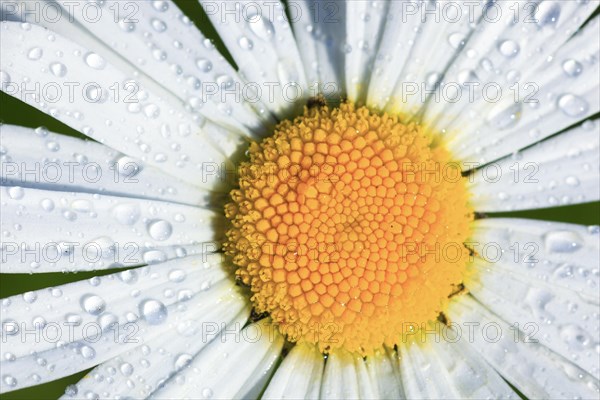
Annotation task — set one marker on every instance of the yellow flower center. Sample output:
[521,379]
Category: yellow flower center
[349,227]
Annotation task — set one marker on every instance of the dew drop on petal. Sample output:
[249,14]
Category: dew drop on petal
[126,214]
[245,43]
[571,105]
[35,53]
[562,241]
[16,192]
[160,229]
[153,311]
[58,69]
[182,361]
[204,65]
[93,304]
[508,48]
[572,68]
[261,26]
[95,61]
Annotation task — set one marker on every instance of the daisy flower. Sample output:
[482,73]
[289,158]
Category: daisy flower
[319,202]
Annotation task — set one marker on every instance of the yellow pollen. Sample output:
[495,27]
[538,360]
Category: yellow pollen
[348,227]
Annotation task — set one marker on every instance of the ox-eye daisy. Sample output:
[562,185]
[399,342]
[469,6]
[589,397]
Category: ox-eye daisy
[315,221]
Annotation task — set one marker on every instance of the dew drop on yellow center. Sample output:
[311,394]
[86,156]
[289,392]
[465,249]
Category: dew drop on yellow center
[348,226]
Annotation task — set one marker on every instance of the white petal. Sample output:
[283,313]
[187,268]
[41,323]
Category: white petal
[560,319]
[44,160]
[160,41]
[384,370]
[236,366]
[558,171]
[143,370]
[421,378]
[533,369]
[533,104]
[558,254]
[346,377]
[459,370]
[47,231]
[106,104]
[298,376]
[55,332]
[365,21]
[320,31]
[420,39]
[260,39]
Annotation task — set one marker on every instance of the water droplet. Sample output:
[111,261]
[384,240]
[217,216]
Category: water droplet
[207,393]
[204,65]
[151,111]
[129,276]
[456,40]
[508,48]
[504,116]
[154,257]
[261,27]
[87,352]
[126,214]
[160,5]
[35,53]
[29,297]
[93,304]
[81,205]
[245,43]
[128,167]
[95,61]
[4,79]
[572,106]
[52,146]
[182,361]
[153,311]
[9,380]
[547,14]
[127,25]
[160,229]
[126,369]
[158,25]
[15,192]
[563,241]
[177,275]
[58,69]
[572,181]
[572,67]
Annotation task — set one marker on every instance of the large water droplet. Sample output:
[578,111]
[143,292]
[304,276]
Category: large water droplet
[158,25]
[562,241]
[15,192]
[261,26]
[126,214]
[182,361]
[204,65]
[58,69]
[456,40]
[177,275]
[572,105]
[35,53]
[245,43]
[160,5]
[547,13]
[87,352]
[94,61]
[508,48]
[93,304]
[153,311]
[504,116]
[572,67]
[160,229]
